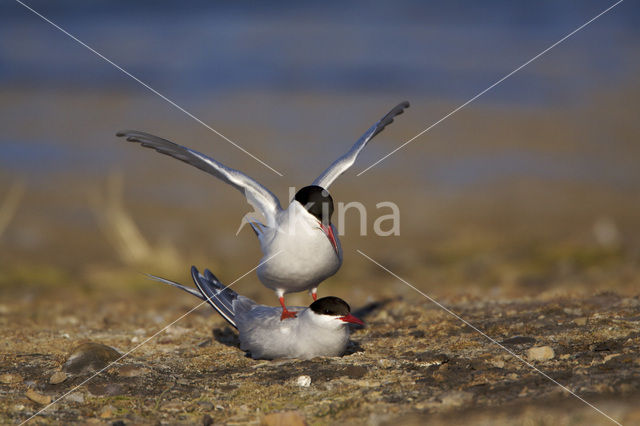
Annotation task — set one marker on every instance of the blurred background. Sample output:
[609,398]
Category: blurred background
[532,189]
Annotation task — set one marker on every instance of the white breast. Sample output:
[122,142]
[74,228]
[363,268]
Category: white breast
[306,256]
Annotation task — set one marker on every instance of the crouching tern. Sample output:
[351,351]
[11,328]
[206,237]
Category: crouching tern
[319,330]
[303,237]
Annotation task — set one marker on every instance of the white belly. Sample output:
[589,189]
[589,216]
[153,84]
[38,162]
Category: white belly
[303,257]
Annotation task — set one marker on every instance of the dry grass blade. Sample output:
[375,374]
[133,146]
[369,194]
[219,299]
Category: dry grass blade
[10,204]
[124,235]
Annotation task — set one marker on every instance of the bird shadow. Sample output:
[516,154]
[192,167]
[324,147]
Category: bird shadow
[372,307]
[227,336]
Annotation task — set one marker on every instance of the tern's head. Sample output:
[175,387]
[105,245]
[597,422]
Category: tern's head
[317,201]
[332,312]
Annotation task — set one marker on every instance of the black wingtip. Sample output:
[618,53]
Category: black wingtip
[121,133]
[209,276]
[194,272]
[388,119]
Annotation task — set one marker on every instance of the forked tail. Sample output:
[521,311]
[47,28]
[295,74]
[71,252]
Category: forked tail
[227,302]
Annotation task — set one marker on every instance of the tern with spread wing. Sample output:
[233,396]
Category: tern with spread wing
[299,244]
[319,330]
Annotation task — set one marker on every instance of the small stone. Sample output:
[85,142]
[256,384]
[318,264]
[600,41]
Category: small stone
[284,418]
[89,357]
[10,378]
[498,363]
[76,397]
[581,321]
[540,353]
[132,371]
[384,363]
[205,405]
[58,377]
[37,397]
[106,412]
[304,381]
[609,357]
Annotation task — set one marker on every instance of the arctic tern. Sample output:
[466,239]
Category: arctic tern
[303,235]
[319,330]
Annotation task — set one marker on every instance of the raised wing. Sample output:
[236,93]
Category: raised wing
[343,163]
[257,195]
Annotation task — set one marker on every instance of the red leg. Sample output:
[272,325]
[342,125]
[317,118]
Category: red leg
[314,294]
[285,313]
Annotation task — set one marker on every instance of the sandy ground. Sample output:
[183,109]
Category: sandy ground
[413,363]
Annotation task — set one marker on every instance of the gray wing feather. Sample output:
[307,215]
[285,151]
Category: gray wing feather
[257,195]
[227,302]
[343,163]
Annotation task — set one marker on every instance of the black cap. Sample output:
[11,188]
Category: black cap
[317,201]
[330,305]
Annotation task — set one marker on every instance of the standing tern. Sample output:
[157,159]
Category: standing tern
[319,330]
[303,233]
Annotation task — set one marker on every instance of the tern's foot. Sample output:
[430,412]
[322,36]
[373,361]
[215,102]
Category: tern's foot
[287,314]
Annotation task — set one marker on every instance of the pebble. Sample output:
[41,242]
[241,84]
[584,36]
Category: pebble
[385,363]
[205,405]
[89,357]
[304,381]
[9,378]
[58,377]
[498,363]
[106,412]
[132,371]
[37,397]
[540,353]
[284,418]
[581,321]
[76,397]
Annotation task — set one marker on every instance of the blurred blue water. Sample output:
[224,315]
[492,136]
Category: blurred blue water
[408,49]
[448,49]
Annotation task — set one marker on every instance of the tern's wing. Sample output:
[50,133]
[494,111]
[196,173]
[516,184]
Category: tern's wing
[227,302]
[343,163]
[257,195]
